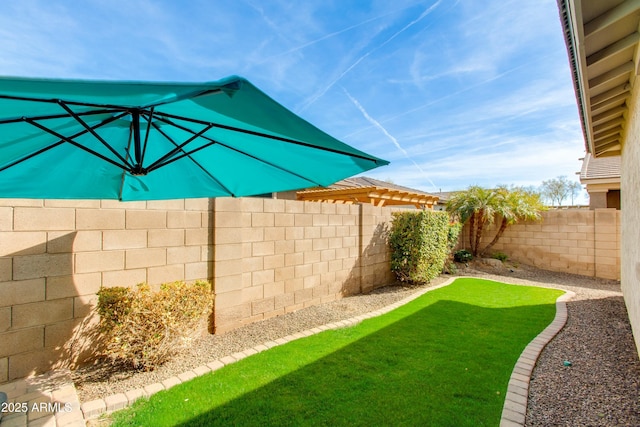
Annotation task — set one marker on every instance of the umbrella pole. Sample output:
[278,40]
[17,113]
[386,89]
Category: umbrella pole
[135,124]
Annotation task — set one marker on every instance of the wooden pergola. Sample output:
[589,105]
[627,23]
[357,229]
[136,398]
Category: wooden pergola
[370,191]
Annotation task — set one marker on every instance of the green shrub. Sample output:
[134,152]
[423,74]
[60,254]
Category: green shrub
[462,255]
[452,241]
[500,255]
[419,245]
[453,233]
[144,328]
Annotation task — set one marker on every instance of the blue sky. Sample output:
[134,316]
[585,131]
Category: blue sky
[453,93]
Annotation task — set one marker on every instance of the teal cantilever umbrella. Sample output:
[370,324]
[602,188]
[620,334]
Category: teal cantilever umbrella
[71,139]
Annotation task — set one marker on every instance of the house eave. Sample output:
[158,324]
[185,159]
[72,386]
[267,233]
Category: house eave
[602,40]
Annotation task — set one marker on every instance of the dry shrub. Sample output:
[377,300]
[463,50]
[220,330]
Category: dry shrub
[145,328]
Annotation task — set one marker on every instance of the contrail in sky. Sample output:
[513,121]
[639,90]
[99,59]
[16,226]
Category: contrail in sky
[326,36]
[361,58]
[395,142]
[453,94]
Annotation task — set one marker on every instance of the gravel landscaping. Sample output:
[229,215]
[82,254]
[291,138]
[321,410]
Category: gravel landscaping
[600,388]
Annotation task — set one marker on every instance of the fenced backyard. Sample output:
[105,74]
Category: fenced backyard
[265,257]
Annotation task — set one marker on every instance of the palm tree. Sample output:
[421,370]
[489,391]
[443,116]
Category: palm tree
[513,206]
[478,206]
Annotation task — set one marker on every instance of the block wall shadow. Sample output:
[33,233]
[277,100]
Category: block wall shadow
[372,268]
[40,307]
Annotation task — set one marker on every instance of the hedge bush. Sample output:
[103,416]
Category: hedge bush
[144,328]
[419,245]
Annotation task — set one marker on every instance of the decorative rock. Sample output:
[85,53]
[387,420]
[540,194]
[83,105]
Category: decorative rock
[495,263]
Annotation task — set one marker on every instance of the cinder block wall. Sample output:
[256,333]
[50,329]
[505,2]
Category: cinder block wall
[265,257]
[55,255]
[585,242]
[277,256]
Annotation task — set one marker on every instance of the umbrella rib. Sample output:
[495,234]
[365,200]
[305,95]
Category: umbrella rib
[75,144]
[213,141]
[163,160]
[190,95]
[93,132]
[56,116]
[45,149]
[195,162]
[266,135]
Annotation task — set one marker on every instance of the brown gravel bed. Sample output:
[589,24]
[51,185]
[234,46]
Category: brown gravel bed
[600,388]
[602,385]
[95,382]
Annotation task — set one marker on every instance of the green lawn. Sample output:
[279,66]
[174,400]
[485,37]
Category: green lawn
[444,360]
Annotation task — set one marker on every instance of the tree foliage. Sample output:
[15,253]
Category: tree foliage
[556,190]
[481,207]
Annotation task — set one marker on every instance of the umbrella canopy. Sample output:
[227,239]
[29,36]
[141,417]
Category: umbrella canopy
[71,139]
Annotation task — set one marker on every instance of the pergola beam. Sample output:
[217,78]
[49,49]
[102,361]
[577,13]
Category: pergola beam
[376,196]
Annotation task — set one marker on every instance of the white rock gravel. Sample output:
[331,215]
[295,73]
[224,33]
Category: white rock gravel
[600,388]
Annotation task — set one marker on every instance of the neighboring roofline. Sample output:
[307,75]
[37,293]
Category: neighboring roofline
[362,194]
[597,170]
[352,190]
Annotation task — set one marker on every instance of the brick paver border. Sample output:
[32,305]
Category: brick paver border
[514,410]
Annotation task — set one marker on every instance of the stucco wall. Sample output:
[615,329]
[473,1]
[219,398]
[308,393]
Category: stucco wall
[630,195]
